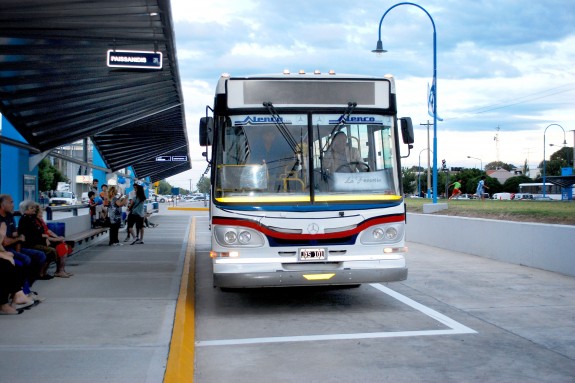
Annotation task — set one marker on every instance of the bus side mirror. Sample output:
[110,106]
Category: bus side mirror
[407,130]
[206,130]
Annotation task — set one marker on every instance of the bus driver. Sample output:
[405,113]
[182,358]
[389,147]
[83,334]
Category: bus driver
[340,157]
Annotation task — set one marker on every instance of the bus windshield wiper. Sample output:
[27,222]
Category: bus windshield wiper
[281,126]
[341,120]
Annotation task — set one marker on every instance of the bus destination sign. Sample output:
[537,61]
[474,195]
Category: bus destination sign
[134,59]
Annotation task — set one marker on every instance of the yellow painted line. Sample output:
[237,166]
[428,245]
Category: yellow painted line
[180,367]
[188,208]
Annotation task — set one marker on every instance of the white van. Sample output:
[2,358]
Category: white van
[60,198]
[502,196]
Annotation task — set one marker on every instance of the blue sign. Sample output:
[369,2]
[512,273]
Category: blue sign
[134,59]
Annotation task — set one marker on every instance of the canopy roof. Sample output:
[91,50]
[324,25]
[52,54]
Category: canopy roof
[56,87]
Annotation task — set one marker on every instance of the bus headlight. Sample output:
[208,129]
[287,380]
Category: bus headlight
[382,234]
[244,237]
[230,236]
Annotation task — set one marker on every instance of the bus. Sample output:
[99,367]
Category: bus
[536,188]
[306,184]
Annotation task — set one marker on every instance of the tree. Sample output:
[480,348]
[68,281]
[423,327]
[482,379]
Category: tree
[49,176]
[499,165]
[164,188]
[409,180]
[203,185]
[511,185]
[560,159]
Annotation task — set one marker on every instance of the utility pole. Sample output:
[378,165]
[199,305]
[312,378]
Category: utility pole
[496,139]
[428,160]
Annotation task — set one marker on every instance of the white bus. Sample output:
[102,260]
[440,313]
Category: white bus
[536,188]
[306,180]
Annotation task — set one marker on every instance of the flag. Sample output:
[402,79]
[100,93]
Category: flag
[431,100]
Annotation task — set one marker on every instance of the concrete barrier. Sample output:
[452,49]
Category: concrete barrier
[544,246]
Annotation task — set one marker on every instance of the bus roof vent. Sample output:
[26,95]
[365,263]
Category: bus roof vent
[331,71]
[317,71]
[286,71]
[301,71]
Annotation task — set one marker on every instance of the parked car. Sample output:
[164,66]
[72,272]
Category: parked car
[464,196]
[523,196]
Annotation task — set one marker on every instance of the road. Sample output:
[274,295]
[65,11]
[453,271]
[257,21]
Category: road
[457,318]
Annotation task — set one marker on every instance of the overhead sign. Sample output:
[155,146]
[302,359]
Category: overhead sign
[134,59]
[171,158]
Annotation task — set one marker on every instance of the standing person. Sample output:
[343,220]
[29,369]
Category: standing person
[456,189]
[92,206]
[136,216]
[115,214]
[481,188]
[102,209]
[94,186]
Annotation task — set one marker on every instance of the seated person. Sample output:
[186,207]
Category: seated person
[33,232]
[340,157]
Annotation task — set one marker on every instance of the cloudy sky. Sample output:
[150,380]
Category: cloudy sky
[505,68]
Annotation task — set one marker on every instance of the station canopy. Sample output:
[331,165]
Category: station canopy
[56,86]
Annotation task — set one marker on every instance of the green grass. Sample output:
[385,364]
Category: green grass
[558,212]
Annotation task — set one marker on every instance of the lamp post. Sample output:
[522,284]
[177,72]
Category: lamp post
[544,160]
[419,173]
[480,160]
[379,49]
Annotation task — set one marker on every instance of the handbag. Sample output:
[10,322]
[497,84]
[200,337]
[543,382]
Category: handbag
[62,249]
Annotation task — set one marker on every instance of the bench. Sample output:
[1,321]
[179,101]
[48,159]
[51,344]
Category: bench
[77,231]
[86,235]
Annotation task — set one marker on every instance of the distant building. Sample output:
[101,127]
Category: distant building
[501,175]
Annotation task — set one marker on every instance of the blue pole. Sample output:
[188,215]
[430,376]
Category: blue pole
[379,49]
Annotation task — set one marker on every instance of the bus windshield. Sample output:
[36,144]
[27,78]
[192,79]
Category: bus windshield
[277,159]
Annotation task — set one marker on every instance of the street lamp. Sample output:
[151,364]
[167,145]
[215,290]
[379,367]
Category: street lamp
[544,160]
[480,160]
[419,173]
[379,50]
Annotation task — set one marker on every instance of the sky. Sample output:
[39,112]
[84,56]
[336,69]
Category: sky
[505,68]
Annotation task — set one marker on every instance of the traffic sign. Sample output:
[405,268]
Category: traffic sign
[134,59]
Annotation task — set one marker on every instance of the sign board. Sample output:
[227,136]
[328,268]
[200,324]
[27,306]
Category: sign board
[163,158]
[179,158]
[84,179]
[134,59]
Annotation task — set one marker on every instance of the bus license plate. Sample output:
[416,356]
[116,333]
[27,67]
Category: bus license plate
[312,255]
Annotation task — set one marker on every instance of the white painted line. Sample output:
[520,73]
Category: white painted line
[461,329]
[454,328]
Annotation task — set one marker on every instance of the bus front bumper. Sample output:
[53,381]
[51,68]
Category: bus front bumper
[309,277]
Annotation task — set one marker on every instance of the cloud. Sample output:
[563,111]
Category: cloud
[507,63]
